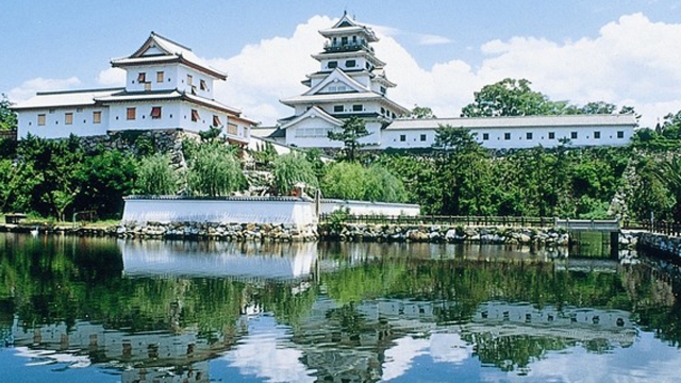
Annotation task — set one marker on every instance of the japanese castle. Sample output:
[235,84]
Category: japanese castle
[169,87]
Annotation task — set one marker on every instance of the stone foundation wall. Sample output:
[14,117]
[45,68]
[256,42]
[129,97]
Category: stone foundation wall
[492,235]
[219,231]
[670,246]
[264,232]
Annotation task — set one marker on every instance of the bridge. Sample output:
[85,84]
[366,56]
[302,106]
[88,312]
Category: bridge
[581,225]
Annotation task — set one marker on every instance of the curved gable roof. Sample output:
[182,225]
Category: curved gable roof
[339,76]
[160,49]
[314,112]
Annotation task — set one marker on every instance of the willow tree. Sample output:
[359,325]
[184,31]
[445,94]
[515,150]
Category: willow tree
[214,171]
[155,176]
[290,169]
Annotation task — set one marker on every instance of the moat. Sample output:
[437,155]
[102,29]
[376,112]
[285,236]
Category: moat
[99,309]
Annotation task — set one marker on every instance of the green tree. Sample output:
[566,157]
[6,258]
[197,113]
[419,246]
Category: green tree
[344,180]
[8,119]
[106,178]
[353,129]
[510,97]
[383,186]
[462,172]
[214,171]
[669,174]
[422,112]
[290,169]
[54,166]
[155,176]
[598,107]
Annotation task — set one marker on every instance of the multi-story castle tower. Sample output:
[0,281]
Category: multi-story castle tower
[351,82]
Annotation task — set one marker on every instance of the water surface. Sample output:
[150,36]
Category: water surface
[105,310]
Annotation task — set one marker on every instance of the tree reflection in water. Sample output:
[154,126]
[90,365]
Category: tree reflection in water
[345,306]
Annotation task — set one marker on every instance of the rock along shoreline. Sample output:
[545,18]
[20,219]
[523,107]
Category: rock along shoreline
[263,232]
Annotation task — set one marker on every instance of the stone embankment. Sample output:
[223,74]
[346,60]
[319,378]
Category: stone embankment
[669,245]
[436,233]
[218,231]
[329,232]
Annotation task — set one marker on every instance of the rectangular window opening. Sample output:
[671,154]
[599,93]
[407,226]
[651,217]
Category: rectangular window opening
[620,134]
[350,63]
[216,121]
[159,76]
[41,119]
[403,137]
[68,118]
[573,135]
[597,135]
[528,135]
[195,115]
[130,114]
[485,136]
[141,77]
[357,108]
[423,137]
[202,85]
[190,80]
[232,129]
[507,136]
[156,112]
[552,135]
[96,117]
[338,108]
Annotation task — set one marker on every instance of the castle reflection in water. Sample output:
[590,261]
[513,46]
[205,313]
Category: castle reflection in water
[334,339]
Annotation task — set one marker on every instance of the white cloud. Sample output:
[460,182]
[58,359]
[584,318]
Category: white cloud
[29,88]
[632,61]
[111,77]
[433,40]
[263,73]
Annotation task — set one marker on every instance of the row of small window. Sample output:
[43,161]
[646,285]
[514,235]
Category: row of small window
[312,132]
[68,118]
[348,64]
[341,108]
[422,137]
[552,135]
[142,79]
[156,113]
[344,40]
[388,113]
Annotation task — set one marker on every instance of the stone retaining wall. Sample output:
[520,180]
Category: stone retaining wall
[436,233]
[263,232]
[670,246]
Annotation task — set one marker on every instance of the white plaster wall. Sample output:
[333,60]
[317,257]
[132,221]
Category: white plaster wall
[170,77]
[322,141]
[369,208]
[249,210]
[197,76]
[170,113]
[518,138]
[55,126]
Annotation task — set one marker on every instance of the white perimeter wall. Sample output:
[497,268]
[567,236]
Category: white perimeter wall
[370,208]
[517,139]
[297,212]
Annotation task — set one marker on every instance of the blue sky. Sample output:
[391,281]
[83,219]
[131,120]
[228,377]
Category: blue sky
[439,52]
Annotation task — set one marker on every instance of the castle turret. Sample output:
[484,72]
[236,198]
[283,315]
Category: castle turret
[351,82]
